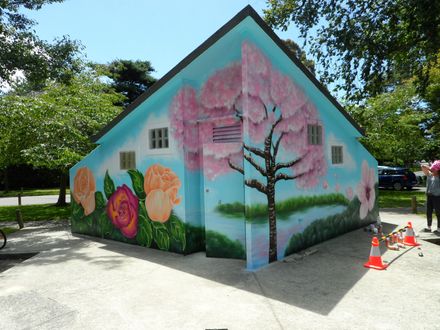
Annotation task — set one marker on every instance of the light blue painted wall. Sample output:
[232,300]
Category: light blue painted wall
[131,134]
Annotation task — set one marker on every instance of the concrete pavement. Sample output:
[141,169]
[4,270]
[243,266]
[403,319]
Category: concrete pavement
[78,282]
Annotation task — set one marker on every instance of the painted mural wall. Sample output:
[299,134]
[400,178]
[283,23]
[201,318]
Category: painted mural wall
[142,214]
[259,190]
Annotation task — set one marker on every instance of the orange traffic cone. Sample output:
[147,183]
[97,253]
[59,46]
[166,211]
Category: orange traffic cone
[410,238]
[375,260]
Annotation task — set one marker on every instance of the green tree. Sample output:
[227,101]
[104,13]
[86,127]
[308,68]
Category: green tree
[432,97]
[395,124]
[130,78]
[366,44]
[300,54]
[22,51]
[54,126]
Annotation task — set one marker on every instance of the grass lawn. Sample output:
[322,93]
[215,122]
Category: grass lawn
[32,192]
[9,230]
[392,198]
[35,212]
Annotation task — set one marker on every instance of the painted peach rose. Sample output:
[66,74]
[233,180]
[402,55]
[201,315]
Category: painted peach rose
[84,188]
[161,185]
[122,209]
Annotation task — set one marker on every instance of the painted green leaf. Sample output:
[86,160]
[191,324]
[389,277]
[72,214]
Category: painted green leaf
[105,225]
[162,240]
[99,200]
[137,180]
[109,185]
[160,235]
[177,229]
[77,210]
[144,236]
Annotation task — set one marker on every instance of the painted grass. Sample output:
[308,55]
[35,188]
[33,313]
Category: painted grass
[35,212]
[221,246]
[284,208]
[394,199]
[330,227]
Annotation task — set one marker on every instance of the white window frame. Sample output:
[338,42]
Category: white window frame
[159,151]
[337,153]
[127,160]
[314,134]
[158,138]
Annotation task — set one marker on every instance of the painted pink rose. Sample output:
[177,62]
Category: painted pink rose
[122,209]
[84,188]
[161,186]
[365,190]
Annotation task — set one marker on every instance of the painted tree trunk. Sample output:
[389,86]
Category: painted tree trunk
[273,252]
[270,192]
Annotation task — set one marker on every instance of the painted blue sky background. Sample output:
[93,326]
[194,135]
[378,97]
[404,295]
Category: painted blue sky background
[163,32]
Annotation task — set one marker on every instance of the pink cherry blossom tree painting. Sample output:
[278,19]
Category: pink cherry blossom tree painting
[277,121]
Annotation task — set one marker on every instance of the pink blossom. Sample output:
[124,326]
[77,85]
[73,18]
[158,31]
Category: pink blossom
[259,131]
[223,88]
[255,110]
[216,158]
[255,60]
[337,187]
[281,87]
[365,190]
[325,184]
[262,94]
[184,107]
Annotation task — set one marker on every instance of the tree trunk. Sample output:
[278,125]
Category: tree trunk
[273,254]
[6,179]
[63,186]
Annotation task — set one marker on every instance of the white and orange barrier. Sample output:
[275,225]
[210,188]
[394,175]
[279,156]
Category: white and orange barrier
[393,241]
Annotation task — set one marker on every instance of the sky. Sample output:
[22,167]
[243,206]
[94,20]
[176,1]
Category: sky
[160,31]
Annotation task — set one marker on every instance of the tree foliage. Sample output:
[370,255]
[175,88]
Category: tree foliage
[367,44]
[130,78]
[395,123]
[432,99]
[300,54]
[23,52]
[52,128]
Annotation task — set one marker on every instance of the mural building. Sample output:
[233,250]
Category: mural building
[238,151]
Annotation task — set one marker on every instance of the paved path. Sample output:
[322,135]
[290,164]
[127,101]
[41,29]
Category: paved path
[79,282]
[31,200]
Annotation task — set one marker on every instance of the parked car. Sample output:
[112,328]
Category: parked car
[396,178]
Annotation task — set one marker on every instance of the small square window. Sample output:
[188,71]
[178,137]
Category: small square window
[159,138]
[127,160]
[314,134]
[337,155]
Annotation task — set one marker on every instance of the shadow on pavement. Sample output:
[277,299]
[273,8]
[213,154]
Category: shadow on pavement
[316,283]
